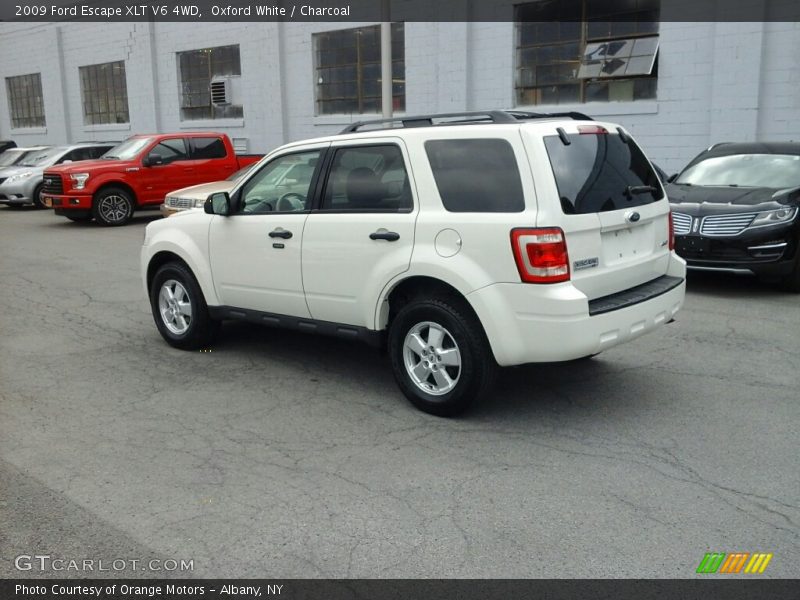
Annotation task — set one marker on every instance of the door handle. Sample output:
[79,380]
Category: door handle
[382,234]
[280,233]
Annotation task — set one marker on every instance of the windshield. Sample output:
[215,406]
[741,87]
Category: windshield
[44,158]
[128,149]
[240,173]
[601,172]
[10,157]
[745,170]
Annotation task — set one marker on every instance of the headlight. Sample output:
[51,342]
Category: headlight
[774,217]
[79,180]
[19,176]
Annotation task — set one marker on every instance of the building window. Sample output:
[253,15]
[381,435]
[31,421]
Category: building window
[571,51]
[25,100]
[348,70]
[105,93]
[198,69]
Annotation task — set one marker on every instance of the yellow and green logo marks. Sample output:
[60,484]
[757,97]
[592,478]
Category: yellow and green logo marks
[734,562]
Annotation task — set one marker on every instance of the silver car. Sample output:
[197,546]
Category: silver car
[22,183]
[14,156]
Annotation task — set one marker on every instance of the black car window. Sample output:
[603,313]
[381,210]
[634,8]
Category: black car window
[170,150]
[598,172]
[210,147]
[478,175]
[368,178]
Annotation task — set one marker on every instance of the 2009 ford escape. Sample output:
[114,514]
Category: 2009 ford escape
[461,241]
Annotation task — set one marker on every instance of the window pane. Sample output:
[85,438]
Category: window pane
[171,150]
[282,185]
[368,178]
[105,93]
[197,69]
[208,148]
[25,102]
[476,175]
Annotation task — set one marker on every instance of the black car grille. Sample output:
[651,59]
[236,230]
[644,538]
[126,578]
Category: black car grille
[53,184]
[718,253]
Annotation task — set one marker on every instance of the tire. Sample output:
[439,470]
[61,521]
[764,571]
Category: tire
[791,282]
[79,218]
[112,207]
[179,308]
[460,370]
[37,197]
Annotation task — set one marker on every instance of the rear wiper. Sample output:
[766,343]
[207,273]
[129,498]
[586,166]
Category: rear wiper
[635,190]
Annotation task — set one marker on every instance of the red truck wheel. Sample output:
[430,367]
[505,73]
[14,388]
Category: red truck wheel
[112,206]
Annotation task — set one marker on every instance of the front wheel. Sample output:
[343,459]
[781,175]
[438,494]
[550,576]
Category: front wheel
[440,356]
[179,308]
[112,207]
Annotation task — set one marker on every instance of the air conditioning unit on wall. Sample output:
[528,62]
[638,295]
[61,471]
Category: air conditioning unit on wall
[225,91]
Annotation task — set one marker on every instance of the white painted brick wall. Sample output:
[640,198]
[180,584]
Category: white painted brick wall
[717,81]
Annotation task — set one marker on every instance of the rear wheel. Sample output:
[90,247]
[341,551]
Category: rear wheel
[440,356]
[112,206]
[179,308]
[37,197]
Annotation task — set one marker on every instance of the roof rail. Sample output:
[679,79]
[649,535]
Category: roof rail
[461,118]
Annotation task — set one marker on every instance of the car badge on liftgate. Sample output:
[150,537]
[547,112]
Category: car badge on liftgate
[632,217]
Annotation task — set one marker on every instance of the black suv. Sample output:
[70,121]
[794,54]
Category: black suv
[735,209]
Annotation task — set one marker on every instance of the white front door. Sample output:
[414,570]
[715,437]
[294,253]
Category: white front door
[255,252]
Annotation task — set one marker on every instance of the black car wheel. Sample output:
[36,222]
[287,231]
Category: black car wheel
[37,197]
[440,356]
[112,207]
[179,308]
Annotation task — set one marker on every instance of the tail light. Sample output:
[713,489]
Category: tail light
[540,254]
[592,130]
[671,233]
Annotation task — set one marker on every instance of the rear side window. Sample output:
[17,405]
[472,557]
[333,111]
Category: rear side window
[208,148]
[476,175]
[368,179]
[600,172]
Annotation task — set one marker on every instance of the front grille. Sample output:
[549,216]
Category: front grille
[681,223]
[53,184]
[726,224]
[180,202]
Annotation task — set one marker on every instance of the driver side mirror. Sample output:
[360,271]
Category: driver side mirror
[152,160]
[218,204]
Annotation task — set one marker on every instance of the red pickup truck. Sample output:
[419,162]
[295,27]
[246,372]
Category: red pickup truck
[138,173]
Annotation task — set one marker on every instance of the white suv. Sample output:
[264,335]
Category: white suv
[461,241]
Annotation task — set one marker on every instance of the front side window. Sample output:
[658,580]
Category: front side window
[601,172]
[198,70]
[170,150]
[104,93]
[573,51]
[368,178]
[282,185]
[745,170]
[476,175]
[25,101]
[347,67]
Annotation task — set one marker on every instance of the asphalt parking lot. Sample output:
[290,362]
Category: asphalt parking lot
[284,455]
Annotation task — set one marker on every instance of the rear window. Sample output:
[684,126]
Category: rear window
[600,172]
[476,175]
[208,148]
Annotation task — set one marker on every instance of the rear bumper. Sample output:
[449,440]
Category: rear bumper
[549,323]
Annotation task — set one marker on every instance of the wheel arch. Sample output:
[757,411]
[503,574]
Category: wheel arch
[115,183]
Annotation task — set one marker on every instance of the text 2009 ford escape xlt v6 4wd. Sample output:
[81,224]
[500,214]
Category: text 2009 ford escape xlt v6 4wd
[462,241]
